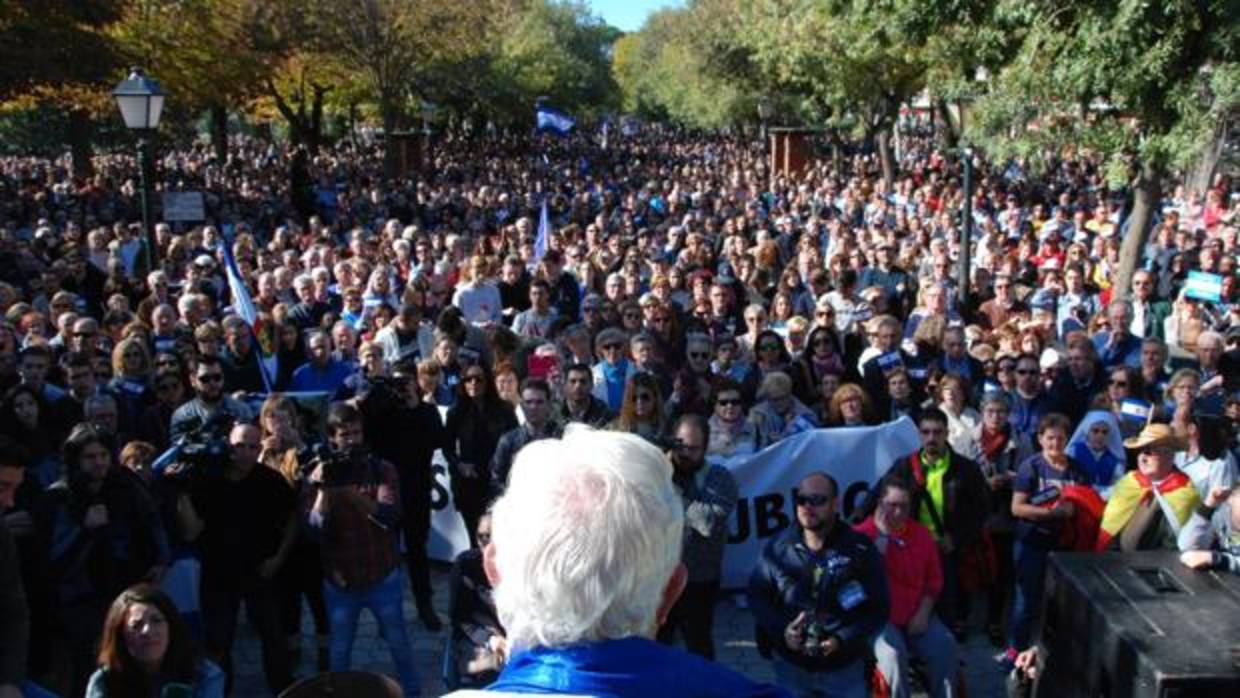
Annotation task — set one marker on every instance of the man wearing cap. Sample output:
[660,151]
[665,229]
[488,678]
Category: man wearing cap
[1149,506]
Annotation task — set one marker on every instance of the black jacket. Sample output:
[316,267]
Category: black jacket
[506,452]
[966,497]
[850,596]
[473,434]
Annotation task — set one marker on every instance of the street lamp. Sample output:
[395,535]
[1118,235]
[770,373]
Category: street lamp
[141,101]
[764,113]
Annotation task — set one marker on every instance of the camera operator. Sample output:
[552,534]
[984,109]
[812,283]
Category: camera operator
[819,596]
[357,509]
[209,400]
[243,519]
[392,412]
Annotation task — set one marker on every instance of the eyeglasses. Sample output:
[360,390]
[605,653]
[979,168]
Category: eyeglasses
[728,402]
[1026,372]
[643,397]
[211,378]
[812,500]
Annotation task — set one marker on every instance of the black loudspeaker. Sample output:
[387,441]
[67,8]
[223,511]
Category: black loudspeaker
[1137,625]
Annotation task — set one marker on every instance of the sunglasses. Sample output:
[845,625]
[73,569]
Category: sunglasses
[769,347]
[812,500]
[211,378]
[728,402]
[699,355]
[1026,372]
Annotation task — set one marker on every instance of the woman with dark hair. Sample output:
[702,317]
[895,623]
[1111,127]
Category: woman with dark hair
[641,412]
[475,423]
[770,353]
[24,416]
[1208,462]
[290,352]
[102,533]
[146,650]
[822,355]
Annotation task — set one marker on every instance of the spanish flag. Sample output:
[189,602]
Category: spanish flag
[1134,489]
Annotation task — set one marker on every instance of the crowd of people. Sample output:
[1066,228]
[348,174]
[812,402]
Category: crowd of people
[677,291]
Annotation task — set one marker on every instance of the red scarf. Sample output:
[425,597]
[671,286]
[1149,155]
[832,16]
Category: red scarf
[993,443]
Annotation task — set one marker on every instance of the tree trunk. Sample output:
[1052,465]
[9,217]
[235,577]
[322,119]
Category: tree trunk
[315,130]
[951,134]
[80,131]
[1201,175]
[390,114]
[1147,192]
[219,131]
[886,158]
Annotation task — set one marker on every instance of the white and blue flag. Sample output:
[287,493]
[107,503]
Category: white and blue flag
[1134,410]
[554,120]
[544,233]
[243,305]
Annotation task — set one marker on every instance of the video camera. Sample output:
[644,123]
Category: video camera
[338,467]
[205,445]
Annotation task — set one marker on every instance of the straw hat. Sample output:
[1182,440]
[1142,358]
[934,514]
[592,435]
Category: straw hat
[1155,435]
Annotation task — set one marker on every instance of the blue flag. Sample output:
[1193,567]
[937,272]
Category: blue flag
[544,233]
[554,120]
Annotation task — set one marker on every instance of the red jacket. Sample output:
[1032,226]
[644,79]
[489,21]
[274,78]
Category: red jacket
[912,566]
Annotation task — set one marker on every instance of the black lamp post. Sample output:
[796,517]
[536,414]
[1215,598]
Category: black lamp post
[141,101]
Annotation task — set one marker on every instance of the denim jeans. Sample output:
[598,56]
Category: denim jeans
[936,647]
[845,682]
[384,600]
[1029,567]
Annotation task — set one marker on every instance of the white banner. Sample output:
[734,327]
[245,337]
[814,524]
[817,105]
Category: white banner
[855,456]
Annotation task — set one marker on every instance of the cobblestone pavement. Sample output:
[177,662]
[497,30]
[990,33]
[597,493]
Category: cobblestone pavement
[733,640]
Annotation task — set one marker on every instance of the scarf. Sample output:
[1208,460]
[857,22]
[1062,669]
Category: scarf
[1134,489]
[615,377]
[992,443]
[833,364]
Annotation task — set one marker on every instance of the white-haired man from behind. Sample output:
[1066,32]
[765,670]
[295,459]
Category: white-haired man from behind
[585,560]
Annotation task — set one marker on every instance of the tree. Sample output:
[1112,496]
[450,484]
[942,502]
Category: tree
[1139,84]
[58,53]
[212,55]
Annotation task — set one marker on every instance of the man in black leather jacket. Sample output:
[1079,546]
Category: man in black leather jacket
[819,597]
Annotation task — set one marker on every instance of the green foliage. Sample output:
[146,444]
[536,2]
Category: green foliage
[1137,83]
[558,50]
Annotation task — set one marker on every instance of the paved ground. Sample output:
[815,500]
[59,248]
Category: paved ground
[733,640]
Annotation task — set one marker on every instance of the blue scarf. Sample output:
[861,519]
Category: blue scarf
[615,375]
[633,666]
